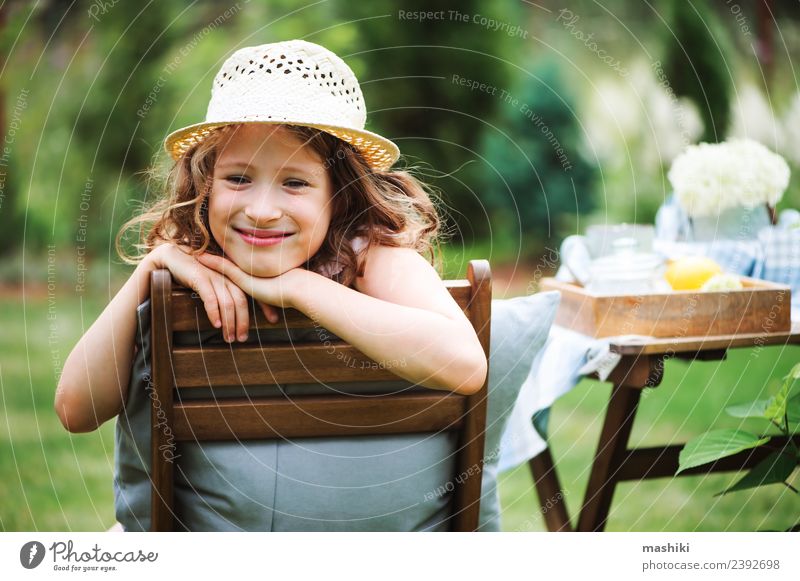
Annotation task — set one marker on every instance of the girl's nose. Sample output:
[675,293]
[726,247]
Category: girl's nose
[263,210]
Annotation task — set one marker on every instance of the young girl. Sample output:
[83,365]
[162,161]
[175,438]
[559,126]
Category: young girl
[282,196]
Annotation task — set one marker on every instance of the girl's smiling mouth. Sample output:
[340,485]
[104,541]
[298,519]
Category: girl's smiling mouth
[262,237]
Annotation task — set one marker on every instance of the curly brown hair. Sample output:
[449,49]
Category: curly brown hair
[389,208]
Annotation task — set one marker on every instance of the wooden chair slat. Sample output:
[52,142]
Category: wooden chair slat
[276,364]
[161,415]
[469,462]
[189,314]
[313,416]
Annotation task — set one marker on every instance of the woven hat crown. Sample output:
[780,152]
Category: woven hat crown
[288,81]
[293,82]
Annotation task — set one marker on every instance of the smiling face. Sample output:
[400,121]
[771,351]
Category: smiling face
[270,204]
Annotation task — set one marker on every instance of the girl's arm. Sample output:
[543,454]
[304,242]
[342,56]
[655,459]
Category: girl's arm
[94,380]
[402,316]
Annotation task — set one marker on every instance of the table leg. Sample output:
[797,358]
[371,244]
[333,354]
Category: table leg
[551,496]
[610,451]
[628,378]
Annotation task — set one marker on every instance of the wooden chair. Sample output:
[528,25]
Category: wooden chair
[182,368]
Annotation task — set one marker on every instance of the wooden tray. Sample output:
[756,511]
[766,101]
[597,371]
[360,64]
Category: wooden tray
[759,307]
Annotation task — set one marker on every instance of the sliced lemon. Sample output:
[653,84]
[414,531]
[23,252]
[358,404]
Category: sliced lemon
[722,282]
[691,272]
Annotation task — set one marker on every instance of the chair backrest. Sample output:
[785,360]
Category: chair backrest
[175,368]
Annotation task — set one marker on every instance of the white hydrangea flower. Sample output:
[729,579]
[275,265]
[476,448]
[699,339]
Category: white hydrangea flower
[710,177]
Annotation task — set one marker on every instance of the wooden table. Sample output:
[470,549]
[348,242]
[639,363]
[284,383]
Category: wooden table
[642,365]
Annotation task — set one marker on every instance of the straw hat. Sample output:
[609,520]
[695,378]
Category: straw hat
[295,83]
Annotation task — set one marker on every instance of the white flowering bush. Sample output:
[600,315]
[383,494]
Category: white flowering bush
[711,177]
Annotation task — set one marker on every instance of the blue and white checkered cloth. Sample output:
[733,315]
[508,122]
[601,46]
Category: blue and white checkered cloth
[780,258]
[773,255]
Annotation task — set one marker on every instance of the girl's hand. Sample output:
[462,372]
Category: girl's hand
[225,303]
[277,291]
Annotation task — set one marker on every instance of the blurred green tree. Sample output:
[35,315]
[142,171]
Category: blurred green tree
[534,175]
[133,46]
[12,230]
[696,48]
[413,91]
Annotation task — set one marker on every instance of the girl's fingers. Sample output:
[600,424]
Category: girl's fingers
[209,298]
[227,308]
[241,307]
[270,312]
[229,270]
[222,266]
[191,275]
[231,299]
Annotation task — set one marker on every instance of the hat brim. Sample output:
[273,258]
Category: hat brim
[379,152]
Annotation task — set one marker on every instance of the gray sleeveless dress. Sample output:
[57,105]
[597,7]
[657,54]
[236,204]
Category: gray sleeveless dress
[374,483]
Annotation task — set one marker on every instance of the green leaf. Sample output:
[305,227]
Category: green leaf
[776,408]
[715,445]
[793,410]
[776,467]
[773,408]
[751,409]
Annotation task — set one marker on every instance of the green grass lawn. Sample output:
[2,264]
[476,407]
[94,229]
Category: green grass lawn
[53,480]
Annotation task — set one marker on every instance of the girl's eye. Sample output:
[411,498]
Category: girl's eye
[237,180]
[295,184]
